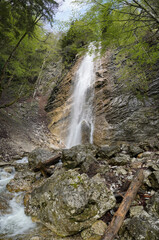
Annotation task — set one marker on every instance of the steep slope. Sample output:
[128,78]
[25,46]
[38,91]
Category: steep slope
[23,127]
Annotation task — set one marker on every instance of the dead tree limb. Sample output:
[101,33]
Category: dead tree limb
[47,163]
[120,214]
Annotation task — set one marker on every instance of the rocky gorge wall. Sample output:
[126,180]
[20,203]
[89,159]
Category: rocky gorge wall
[119,116]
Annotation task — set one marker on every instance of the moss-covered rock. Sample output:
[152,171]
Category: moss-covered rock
[141,227]
[81,155]
[22,181]
[69,202]
[95,232]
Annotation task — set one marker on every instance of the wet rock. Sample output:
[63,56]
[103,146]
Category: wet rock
[96,231]
[22,181]
[85,131]
[4,205]
[8,169]
[69,202]
[119,116]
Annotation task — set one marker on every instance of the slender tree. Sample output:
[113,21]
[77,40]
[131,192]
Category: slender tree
[22,17]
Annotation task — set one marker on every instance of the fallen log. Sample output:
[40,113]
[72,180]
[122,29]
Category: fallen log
[120,214]
[52,161]
[42,166]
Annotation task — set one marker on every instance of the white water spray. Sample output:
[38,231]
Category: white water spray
[14,221]
[82,110]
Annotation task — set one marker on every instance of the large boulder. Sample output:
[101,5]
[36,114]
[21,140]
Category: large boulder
[143,226]
[106,152]
[69,202]
[78,156]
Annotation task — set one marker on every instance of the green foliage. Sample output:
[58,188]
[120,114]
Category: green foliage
[21,57]
[75,41]
[132,27]
[25,65]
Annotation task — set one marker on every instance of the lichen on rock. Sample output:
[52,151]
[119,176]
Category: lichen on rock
[70,202]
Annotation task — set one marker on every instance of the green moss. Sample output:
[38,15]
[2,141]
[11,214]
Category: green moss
[75,185]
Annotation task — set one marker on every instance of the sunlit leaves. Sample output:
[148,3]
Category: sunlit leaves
[132,27]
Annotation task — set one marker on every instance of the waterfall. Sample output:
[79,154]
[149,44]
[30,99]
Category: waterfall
[82,107]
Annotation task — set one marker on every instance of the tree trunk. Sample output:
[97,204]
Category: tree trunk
[15,48]
[10,56]
[119,216]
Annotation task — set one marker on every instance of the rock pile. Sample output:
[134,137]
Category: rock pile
[83,193]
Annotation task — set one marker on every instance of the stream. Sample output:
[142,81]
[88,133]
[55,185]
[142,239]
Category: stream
[13,221]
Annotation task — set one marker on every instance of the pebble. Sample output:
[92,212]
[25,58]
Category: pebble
[121,171]
[136,211]
[35,238]
[145,154]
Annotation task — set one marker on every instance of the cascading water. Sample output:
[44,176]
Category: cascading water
[82,109]
[13,220]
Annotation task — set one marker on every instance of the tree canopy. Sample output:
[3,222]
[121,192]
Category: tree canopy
[21,37]
[132,27]
[129,27]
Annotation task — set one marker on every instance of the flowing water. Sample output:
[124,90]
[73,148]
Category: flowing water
[82,107]
[13,220]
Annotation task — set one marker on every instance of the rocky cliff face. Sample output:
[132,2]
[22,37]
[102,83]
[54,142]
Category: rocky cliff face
[119,116]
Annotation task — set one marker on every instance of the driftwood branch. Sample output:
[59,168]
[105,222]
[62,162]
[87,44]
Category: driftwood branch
[119,216]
